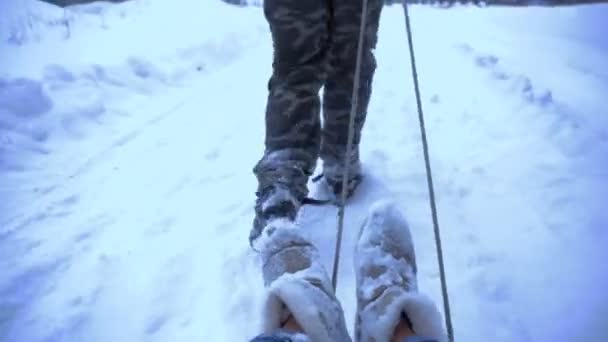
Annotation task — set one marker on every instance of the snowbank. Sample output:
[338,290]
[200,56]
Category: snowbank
[63,70]
[76,81]
[39,34]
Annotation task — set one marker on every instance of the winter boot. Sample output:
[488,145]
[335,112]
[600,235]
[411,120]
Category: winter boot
[274,202]
[335,185]
[282,187]
[297,285]
[387,289]
[333,173]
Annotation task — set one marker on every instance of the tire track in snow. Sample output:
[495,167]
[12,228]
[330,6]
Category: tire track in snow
[202,166]
[497,143]
[553,157]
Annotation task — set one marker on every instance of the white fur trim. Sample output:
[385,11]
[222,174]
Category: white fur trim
[421,311]
[305,303]
[272,226]
[424,316]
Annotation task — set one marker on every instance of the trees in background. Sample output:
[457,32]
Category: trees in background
[438,3]
[64,3]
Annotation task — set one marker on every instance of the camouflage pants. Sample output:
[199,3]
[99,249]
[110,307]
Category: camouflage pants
[315,46]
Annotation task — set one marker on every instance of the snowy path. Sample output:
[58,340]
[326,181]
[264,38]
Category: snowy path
[147,241]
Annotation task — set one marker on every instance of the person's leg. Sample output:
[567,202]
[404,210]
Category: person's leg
[389,306]
[300,303]
[338,91]
[300,38]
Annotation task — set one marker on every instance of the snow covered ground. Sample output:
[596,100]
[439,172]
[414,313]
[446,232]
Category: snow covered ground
[128,133]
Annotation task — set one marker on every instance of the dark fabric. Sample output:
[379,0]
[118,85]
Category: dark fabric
[271,338]
[283,338]
[418,339]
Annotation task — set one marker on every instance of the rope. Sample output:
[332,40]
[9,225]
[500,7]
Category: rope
[349,144]
[429,177]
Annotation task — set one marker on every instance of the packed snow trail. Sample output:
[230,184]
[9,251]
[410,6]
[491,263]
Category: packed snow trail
[146,239]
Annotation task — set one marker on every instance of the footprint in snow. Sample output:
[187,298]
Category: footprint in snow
[57,76]
[212,155]
[156,323]
[161,227]
[490,285]
[487,61]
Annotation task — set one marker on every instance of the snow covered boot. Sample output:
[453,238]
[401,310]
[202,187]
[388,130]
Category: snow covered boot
[274,202]
[282,187]
[333,172]
[297,285]
[335,185]
[387,289]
